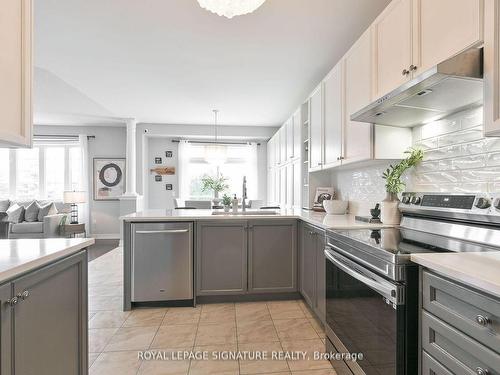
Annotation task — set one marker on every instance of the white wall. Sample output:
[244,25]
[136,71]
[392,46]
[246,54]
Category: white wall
[158,196]
[155,139]
[108,142]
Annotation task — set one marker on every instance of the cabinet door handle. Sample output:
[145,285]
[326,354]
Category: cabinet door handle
[405,72]
[482,320]
[24,295]
[481,371]
[12,301]
[413,68]
[311,233]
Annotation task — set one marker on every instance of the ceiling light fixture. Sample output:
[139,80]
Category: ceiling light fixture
[215,153]
[230,8]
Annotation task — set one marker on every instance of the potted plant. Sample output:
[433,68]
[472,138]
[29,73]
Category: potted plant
[226,202]
[215,183]
[394,185]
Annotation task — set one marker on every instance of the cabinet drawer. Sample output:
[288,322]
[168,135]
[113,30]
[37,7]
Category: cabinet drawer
[455,350]
[432,367]
[471,312]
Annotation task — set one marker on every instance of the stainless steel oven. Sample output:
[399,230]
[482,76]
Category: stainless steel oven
[367,317]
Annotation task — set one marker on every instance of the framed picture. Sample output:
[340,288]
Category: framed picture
[158,178]
[109,178]
[168,186]
[157,160]
[169,154]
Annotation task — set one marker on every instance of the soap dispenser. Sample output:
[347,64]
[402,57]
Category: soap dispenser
[235,204]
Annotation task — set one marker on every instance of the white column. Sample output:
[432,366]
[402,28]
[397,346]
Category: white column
[130,187]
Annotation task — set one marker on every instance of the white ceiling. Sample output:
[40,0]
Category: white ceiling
[169,61]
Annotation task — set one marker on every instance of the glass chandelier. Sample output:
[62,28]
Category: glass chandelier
[230,8]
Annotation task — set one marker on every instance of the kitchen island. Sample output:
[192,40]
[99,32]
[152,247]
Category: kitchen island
[243,257]
[43,311]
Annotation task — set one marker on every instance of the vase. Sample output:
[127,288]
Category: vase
[226,208]
[389,211]
[216,201]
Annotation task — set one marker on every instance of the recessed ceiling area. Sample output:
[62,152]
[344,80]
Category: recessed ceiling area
[170,61]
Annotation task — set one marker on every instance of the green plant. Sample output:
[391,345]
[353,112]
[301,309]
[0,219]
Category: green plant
[214,183]
[392,175]
[226,200]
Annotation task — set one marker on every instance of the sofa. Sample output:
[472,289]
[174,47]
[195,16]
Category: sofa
[42,227]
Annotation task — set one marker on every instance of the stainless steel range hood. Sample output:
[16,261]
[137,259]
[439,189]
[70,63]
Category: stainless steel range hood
[451,86]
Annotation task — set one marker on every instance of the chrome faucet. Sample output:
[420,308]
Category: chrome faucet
[244,197]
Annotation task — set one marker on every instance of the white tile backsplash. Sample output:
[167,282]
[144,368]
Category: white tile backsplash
[457,159]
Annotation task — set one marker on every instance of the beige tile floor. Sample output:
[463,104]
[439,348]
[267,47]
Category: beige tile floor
[115,337]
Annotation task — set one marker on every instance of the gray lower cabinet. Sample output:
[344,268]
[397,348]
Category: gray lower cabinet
[246,257]
[5,330]
[272,256]
[312,268]
[45,332]
[221,257]
[459,328]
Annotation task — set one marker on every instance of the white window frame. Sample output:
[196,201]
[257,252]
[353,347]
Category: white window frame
[41,169]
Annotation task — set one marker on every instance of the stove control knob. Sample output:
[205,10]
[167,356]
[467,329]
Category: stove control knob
[483,203]
[418,200]
[497,204]
[406,200]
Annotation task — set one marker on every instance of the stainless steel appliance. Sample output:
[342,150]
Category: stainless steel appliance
[372,286]
[162,262]
[449,87]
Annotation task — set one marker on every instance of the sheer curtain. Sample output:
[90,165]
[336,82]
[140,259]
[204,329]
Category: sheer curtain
[183,162]
[252,174]
[84,210]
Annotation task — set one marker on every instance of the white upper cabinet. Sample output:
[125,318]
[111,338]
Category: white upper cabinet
[289,139]
[444,28]
[297,183]
[358,85]
[283,139]
[412,36]
[277,148]
[393,46]
[333,116]
[316,129]
[16,73]
[492,68]
[297,133]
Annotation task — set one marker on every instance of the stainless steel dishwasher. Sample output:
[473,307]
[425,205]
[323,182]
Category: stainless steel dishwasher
[162,262]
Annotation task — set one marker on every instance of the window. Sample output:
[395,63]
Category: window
[42,172]
[230,161]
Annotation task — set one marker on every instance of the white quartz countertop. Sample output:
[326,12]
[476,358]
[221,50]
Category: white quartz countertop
[480,270]
[20,256]
[320,219]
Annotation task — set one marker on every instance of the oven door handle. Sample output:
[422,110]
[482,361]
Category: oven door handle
[389,291]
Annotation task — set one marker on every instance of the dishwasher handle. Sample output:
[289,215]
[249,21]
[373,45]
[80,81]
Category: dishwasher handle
[164,231]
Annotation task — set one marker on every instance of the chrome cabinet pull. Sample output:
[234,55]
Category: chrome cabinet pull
[413,68]
[405,72]
[12,301]
[482,320]
[24,295]
[481,371]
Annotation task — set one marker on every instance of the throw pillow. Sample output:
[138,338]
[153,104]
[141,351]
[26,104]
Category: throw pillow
[48,209]
[31,212]
[4,205]
[15,213]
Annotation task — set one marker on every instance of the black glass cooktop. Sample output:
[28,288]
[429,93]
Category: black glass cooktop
[403,242]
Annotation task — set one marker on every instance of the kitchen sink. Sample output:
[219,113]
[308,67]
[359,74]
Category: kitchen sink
[251,212]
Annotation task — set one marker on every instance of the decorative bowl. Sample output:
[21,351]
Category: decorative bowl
[335,207]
